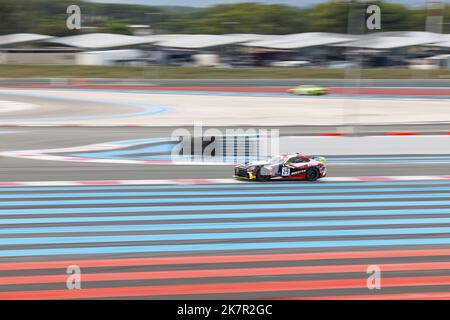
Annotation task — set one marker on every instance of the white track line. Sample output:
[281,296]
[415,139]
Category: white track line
[12,106]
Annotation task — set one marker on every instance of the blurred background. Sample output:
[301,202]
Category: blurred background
[315,39]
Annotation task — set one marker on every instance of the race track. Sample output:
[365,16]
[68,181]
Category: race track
[226,241]
[189,231]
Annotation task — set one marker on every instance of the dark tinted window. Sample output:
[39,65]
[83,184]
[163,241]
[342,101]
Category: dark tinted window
[298,160]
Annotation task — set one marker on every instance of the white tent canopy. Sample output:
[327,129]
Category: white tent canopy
[384,43]
[97,41]
[19,38]
[106,41]
[443,43]
[200,41]
[393,40]
[301,40]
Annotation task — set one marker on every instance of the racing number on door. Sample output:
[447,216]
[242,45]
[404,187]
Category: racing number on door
[285,171]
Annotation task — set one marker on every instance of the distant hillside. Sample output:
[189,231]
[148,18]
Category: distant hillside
[178,9]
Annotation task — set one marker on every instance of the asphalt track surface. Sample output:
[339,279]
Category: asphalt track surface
[241,241]
[27,138]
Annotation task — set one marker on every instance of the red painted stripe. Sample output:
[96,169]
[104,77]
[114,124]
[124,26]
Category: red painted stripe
[332,134]
[191,181]
[6,184]
[397,296]
[391,91]
[211,273]
[35,265]
[402,133]
[374,179]
[159,88]
[221,288]
[336,90]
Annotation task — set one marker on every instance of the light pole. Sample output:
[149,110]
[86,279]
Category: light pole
[232,25]
[435,19]
[356,23]
[155,74]
[149,15]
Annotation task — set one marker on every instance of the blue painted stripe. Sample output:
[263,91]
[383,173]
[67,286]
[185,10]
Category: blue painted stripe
[120,153]
[319,185]
[225,225]
[266,206]
[219,236]
[182,201]
[165,157]
[133,142]
[246,215]
[221,247]
[293,190]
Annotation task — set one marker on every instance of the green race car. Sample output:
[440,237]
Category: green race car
[308,90]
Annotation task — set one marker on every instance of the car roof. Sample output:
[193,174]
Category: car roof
[292,155]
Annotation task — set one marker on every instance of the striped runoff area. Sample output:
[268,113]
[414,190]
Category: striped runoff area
[226,240]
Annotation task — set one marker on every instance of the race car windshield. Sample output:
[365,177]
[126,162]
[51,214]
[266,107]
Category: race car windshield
[298,160]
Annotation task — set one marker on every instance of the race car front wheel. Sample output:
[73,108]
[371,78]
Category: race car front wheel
[312,174]
[260,176]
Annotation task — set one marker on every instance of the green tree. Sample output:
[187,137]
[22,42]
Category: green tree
[243,18]
[330,17]
[54,27]
[446,28]
[117,27]
[333,17]
[49,16]
[397,17]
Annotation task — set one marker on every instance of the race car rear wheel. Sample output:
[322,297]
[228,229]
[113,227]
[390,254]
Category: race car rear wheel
[312,174]
[261,177]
